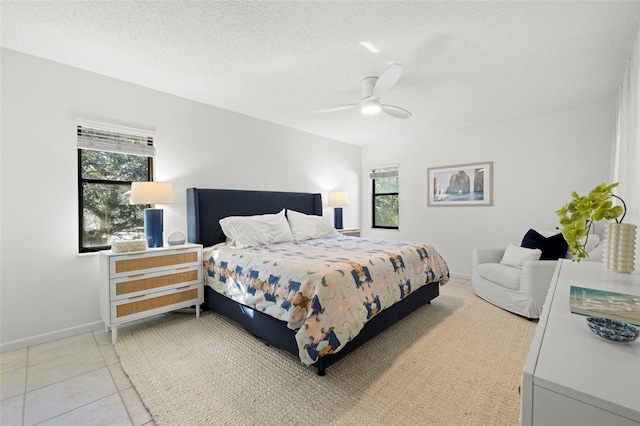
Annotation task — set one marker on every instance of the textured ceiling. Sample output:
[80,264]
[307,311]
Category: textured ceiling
[465,63]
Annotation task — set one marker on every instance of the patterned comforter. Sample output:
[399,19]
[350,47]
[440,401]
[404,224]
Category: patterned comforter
[326,289]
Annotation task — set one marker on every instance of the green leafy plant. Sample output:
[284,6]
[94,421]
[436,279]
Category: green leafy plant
[578,215]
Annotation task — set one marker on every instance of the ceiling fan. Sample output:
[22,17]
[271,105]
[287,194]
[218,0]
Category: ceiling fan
[372,88]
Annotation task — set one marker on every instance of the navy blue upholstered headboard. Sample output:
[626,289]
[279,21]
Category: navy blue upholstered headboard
[205,208]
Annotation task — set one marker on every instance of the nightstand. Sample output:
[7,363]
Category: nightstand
[136,285]
[350,232]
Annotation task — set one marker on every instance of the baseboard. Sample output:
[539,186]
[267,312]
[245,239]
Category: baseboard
[49,337]
[459,275]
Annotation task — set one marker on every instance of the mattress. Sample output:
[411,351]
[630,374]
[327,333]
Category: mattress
[325,289]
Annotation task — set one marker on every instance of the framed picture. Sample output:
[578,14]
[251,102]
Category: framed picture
[461,185]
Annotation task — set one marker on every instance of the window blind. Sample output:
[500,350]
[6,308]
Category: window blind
[120,141]
[383,172]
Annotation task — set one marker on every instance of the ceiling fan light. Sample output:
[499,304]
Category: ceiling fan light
[370,107]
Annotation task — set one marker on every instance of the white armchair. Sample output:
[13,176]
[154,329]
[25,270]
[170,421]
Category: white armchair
[518,290]
[521,291]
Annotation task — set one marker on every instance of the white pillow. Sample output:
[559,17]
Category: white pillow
[592,242]
[308,227]
[516,256]
[258,230]
[595,255]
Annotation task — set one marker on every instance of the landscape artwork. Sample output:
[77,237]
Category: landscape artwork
[461,185]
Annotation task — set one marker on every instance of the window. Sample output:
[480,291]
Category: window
[109,159]
[384,182]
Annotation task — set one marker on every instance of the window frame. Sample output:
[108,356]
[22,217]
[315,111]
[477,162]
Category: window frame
[83,181]
[374,196]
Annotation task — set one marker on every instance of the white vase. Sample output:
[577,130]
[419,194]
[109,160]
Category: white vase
[619,253]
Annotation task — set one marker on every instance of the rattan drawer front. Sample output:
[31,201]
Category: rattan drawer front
[155,282]
[153,262]
[139,306]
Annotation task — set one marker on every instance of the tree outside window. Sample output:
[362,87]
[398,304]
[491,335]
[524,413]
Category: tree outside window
[385,202]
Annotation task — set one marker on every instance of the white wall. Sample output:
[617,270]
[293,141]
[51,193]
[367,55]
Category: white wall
[48,290]
[538,162]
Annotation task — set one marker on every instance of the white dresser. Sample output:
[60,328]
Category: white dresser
[572,376]
[140,284]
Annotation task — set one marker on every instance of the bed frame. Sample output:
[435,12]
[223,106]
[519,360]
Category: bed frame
[205,207]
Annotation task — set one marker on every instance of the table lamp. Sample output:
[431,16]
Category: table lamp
[338,199]
[152,193]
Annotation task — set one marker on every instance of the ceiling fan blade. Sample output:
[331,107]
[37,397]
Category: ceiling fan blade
[388,78]
[335,108]
[396,112]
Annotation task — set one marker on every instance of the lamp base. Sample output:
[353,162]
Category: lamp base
[153,227]
[337,217]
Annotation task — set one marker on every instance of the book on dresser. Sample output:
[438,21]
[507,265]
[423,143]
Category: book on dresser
[605,304]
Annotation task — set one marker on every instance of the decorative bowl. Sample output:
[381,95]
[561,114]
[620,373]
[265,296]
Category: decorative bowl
[176,239]
[613,330]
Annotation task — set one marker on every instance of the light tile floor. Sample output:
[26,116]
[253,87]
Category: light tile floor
[72,381]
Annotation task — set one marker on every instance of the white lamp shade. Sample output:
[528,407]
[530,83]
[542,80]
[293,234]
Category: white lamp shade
[152,193]
[338,198]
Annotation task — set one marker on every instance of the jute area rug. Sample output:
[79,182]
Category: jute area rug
[457,361]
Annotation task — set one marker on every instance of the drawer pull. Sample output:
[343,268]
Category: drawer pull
[137,297]
[183,287]
[136,275]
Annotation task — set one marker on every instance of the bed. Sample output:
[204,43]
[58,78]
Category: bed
[312,336]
